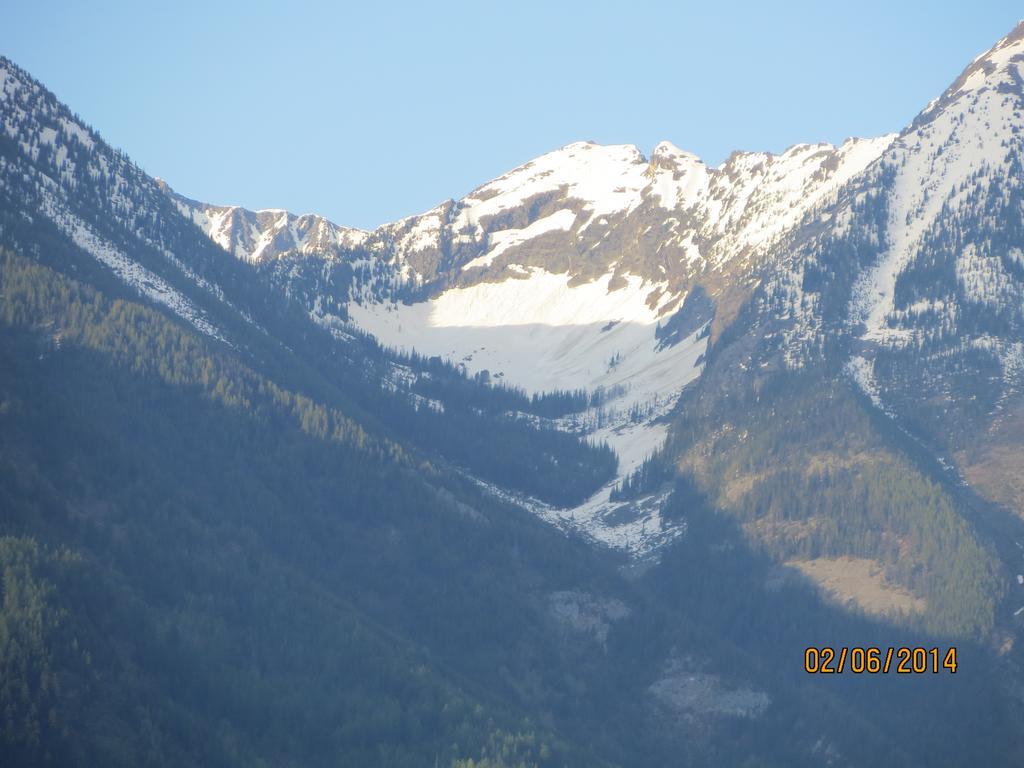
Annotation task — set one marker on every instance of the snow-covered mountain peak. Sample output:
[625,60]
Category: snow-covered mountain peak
[605,179]
[667,153]
[1000,67]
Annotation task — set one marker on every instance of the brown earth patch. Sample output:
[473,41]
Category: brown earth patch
[859,582]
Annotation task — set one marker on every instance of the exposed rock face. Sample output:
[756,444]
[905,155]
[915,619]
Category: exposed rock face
[586,613]
[691,694]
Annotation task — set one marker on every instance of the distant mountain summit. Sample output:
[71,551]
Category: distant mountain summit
[258,236]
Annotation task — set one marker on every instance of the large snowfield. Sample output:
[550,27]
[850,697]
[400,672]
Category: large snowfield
[541,333]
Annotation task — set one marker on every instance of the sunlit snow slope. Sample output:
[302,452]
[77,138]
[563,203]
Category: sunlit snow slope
[541,333]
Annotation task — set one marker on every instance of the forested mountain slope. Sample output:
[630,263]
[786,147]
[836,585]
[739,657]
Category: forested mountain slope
[202,566]
[877,361]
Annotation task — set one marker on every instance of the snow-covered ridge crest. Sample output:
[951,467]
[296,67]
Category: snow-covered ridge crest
[987,70]
[942,167]
[757,196]
[257,236]
[585,208]
[700,215]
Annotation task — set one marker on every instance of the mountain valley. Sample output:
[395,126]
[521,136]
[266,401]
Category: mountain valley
[569,471]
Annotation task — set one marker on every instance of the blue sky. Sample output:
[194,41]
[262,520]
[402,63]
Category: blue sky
[367,113]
